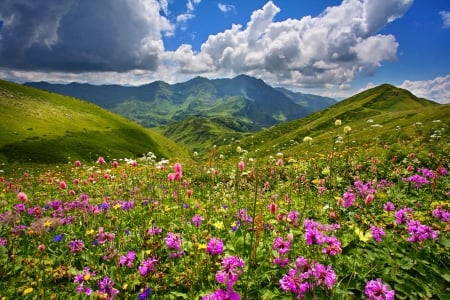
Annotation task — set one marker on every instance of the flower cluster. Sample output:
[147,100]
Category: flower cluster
[232,268]
[419,232]
[127,260]
[306,276]
[82,279]
[215,246]
[376,290]
[316,234]
[441,214]
[148,264]
[282,247]
[377,233]
[173,242]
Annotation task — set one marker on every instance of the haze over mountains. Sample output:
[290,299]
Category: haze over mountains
[242,103]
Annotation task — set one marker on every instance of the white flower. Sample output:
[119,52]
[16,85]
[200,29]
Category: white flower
[338,122]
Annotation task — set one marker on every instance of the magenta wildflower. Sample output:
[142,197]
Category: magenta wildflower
[232,267]
[281,261]
[334,245]
[419,232]
[441,214]
[222,295]
[292,217]
[215,246]
[154,231]
[389,206]
[3,242]
[349,198]
[127,260]
[147,265]
[417,180]
[197,220]
[282,246]
[76,246]
[243,216]
[173,241]
[82,279]
[22,197]
[324,275]
[377,233]
[403,215]
[106,288]
[376,290]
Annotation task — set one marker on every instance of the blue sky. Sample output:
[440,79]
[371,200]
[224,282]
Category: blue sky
[327,47]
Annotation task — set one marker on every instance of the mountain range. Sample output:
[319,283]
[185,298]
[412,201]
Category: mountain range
[241,104]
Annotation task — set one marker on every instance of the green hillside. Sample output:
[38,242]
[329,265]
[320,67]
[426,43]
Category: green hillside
[38,126]
[384,114]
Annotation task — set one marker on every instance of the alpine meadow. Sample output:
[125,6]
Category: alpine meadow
[348,202]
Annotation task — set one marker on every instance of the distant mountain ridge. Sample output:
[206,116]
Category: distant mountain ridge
[242,103]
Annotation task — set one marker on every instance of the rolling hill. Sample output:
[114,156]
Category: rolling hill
[43,127]
[244,102]
[384,114]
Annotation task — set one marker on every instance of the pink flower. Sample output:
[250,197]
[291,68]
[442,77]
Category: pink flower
[369,199]
[115,164]
[62,185]
[78,164]
[101,160]
[241,166]
[171,177]
[189,193]
[22,197]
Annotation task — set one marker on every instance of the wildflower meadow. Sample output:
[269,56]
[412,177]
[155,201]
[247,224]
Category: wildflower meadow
[353,222]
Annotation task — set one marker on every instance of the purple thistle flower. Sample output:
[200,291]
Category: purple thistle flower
[377,233]
[376,290]
[215,246]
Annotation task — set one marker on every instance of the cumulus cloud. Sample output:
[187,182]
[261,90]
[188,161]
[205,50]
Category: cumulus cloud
[332,48]
[78,36]
[437,89]
[327,50]
[445,15]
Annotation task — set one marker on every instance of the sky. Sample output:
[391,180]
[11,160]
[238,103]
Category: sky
[326,47]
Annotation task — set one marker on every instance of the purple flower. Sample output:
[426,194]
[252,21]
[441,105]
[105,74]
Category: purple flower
[324,275]
[127,260]
[154,231]
[197,220]
[58,238]
[334,245]
[222,295]
[107,289]
[3,242]
[173,241]
[19,207]
[441,214]
[282,246]
[232,267]
[376,290]
[243,216]
[418,180]
[147,265]
[215,246]
[280,261]
[145,294]
[403,215]
[349,198]
[419,232]
[377,233]
[76,246]
[389,206]
[292,217]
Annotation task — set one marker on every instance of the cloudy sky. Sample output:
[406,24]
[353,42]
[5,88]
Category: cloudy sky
[327,47]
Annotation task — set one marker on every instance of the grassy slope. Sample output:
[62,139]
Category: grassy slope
[385,105]
[45,127]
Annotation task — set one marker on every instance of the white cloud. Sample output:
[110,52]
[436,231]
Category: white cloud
[445,15]
[226,7]
[330,49]
[437,89]
[327,50]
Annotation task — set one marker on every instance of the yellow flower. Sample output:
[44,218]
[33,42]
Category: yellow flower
[148,252]
[218,225]
[201,246]
[90,232]
[347,129]
[28,291]
[48,223]
[87,277]
[125,286]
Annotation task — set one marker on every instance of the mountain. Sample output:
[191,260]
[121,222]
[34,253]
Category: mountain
[382,115]
[39,126]
[250,101]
